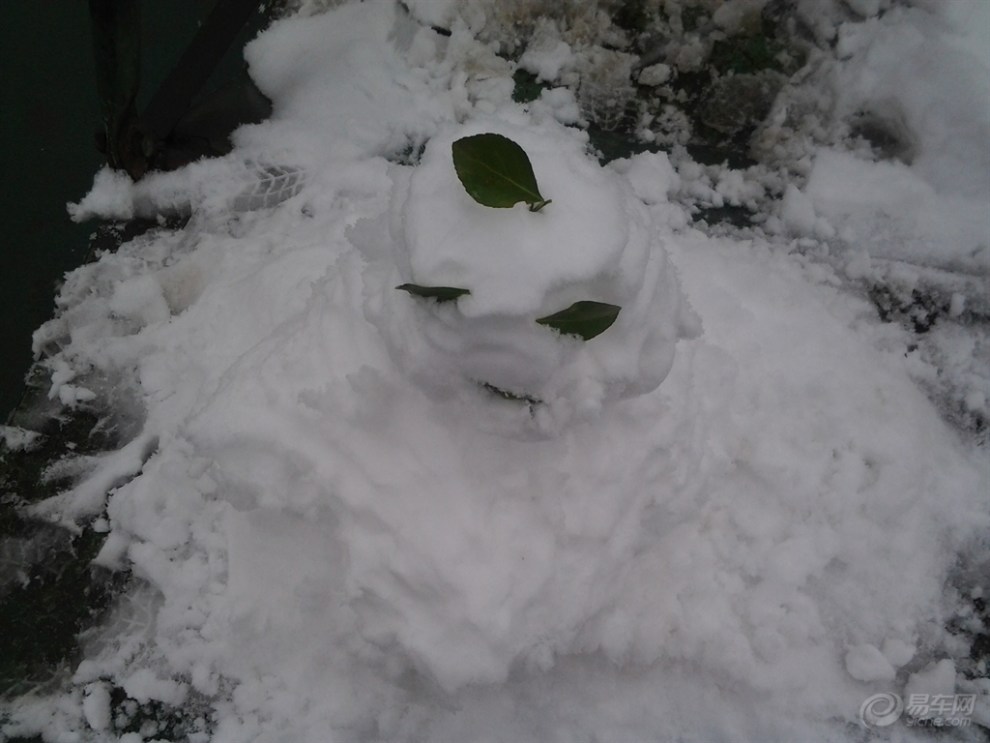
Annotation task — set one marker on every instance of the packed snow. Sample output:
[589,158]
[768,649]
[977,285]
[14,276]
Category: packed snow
[735,515]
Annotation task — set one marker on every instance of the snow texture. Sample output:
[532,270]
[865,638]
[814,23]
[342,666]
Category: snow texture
[731,516]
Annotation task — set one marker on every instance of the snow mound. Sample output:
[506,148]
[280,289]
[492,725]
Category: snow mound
[917,86]
[887,209]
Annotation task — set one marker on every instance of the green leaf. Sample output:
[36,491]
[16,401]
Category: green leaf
[527,88]
[439,293]
[586,319]
[495,171]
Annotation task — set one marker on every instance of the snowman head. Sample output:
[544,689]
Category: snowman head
[563,299]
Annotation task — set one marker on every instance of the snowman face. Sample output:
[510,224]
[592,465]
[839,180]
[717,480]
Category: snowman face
[584,319]
[511,355]
[535,305]
[504,354]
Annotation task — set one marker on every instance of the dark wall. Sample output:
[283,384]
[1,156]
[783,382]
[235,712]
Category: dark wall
[49,113]
[47,157]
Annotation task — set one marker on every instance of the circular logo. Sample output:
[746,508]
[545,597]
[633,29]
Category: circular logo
[881,710]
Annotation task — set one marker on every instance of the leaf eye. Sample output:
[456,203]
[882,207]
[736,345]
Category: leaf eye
[439,293]
[585,319]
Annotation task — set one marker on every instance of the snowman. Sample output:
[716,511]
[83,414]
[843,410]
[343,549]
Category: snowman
[454,435]
[558,305]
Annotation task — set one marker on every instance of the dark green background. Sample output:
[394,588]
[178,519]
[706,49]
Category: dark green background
[49,113]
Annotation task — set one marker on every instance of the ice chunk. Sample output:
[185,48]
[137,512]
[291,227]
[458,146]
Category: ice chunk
[898,652]
[797,211]
[652,176]
[934,680]
[140,299]
[96,706]
[547,53]
[866,663]
[654,75]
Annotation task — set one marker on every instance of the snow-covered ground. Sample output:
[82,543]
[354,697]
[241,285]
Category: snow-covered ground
[736,515]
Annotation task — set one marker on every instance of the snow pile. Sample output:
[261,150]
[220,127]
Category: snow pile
[890,144]
[922,226]
[917,83]
[339,533]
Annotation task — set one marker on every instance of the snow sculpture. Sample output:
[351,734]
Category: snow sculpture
[594,242]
